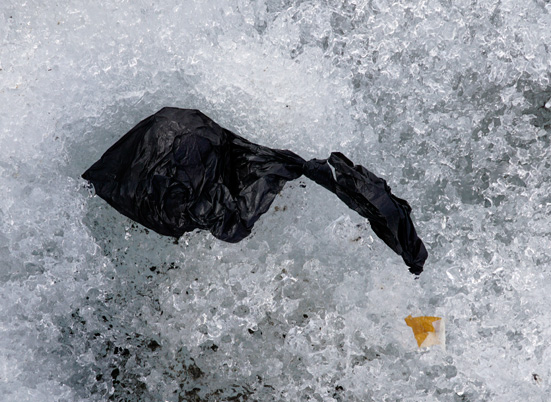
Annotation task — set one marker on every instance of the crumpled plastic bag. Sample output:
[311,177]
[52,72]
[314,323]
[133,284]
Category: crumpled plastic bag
[178,170]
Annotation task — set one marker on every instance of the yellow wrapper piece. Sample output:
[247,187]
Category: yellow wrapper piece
[428,331]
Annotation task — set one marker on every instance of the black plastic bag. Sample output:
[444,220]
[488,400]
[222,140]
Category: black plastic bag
[178,170]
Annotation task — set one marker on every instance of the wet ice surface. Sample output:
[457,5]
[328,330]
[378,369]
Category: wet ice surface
[449,100]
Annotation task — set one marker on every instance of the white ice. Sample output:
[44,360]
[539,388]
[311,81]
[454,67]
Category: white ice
[446,99]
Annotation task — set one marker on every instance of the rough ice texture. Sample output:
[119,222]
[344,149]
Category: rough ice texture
[448,99]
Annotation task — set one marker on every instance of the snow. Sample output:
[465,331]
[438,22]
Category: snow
[448,100]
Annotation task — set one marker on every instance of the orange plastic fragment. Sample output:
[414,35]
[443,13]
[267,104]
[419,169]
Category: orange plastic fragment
[423,327]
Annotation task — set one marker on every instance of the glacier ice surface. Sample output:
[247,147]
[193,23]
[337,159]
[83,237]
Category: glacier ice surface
[448,100]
